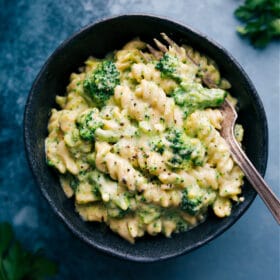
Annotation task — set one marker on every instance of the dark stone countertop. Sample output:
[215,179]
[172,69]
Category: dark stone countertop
[29,33]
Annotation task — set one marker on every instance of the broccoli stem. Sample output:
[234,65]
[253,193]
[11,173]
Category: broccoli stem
[195,96]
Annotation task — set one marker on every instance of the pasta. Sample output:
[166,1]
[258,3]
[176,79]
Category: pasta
[137,143]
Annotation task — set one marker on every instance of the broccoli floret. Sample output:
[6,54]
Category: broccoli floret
[87,123]
[115,212]
[168,66]
[195,97]
[175,216]
[96,191]
[94,180]
[123,200]
[74,183]
[191,205]
[50,163]
[181,225]
[148,213]
[179,142]
[103,187]
[120,205]
[158,146]
[185,150]
[101,82]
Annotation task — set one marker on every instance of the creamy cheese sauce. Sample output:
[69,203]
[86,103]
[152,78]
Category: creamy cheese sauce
[137,143]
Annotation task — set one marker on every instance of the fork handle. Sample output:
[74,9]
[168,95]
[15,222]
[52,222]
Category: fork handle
[256,180]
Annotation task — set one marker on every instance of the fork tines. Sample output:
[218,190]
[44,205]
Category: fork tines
[168,40]
[157,54]
[161,46]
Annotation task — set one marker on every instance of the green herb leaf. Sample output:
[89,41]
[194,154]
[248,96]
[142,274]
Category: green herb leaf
[275,26]
[16,263]
[253,4]
[41,266]
[261,19]
[243,13]
[6,236]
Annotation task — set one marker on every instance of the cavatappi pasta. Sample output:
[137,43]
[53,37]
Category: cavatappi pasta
[136,141]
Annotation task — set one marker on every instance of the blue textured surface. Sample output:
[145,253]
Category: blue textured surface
[29,33]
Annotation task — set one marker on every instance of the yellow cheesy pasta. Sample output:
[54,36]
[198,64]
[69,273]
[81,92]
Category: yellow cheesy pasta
[136,140]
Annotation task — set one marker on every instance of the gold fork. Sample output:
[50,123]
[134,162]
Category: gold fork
[227,132]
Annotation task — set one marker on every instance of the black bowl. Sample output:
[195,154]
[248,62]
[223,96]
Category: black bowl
[98,39]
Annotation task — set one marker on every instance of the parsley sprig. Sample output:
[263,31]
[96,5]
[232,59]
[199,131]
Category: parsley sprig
[262,21]
[16,263]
